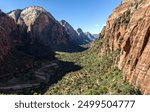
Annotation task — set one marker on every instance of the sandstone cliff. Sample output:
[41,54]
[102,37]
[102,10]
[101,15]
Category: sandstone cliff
[73,36]
[84,38]
[20,51]
[41,26]
[7,26]
[128,29]
[16,52]
[4,44]
[77,36]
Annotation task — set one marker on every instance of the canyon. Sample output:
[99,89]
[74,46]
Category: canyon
[40,55]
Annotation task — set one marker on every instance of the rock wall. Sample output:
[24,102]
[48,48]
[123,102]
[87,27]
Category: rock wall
[77,36]
[40,26]
[73,36]
[7,26]
[128,29]
[4,44]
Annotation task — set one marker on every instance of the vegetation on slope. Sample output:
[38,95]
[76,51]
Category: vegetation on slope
[83,73]
[97,76]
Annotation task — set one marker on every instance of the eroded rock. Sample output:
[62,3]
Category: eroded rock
[128,29]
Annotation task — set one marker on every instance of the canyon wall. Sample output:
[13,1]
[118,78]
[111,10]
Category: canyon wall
[7,26]
[40,26]
[128,29]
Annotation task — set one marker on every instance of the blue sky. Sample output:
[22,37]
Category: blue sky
[90,15]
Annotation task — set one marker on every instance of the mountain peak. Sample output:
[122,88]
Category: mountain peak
[79,30]
[35,8]
[63,21]
[31,11]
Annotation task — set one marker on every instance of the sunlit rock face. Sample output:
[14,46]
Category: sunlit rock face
[73,36]
[77,36]
[40,26]
[128,29]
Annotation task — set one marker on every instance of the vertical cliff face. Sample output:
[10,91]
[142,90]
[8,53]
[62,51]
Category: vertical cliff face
[7,26]
[40,26]
[4,44]
[79,37]
[73,36]
[84,38]
[128,29]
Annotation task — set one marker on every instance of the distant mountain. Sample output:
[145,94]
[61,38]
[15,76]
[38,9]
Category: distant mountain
[84,38]
[91,36]
[95,35]
[70,30]
[77,36]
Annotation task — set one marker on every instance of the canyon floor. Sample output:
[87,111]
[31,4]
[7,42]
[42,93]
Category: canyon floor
[96,76]
[77,73]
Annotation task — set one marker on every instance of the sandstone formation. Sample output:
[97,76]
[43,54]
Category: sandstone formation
[24,42]
[79,37]
[7,26]
[4,44]
[28,39]
[83,37]
[40,26]
[91,36]
[73,36]
[128,29]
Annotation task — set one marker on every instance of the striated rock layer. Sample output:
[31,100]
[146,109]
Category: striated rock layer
[128,29]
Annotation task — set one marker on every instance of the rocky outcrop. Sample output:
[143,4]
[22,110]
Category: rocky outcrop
[7,26]
[73,36]
[4,44]
[16,54]
[128,29]
[40,26]
[91,36]
[102,33]
[79,37]
[7,23]
[27,40]
[82,36]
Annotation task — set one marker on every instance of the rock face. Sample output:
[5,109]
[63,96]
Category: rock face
[79,37]
[128,29]
[83,37]
[24,42]
[73,36]
[91,36]
[4,44]
[7,26]
[26,37]
[40,26]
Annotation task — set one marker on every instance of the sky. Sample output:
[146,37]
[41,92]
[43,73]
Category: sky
[89,15]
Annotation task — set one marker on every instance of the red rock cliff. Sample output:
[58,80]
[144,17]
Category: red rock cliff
[128,29]
[41,26]
[7,26]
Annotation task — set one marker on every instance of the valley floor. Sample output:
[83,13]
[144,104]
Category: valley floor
[96,76]
[81,73]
